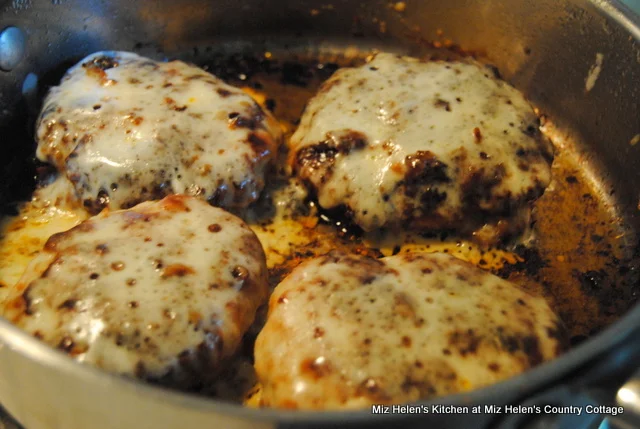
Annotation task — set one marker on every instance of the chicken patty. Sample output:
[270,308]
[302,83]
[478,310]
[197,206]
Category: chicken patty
[126,129]
[429,145]
[163,291]
[347,331]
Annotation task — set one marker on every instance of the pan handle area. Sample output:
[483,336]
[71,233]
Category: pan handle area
[629,397]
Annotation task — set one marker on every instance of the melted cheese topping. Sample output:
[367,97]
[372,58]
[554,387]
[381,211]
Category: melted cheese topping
[346,331]
[164,291]
[126,129]
[429,144]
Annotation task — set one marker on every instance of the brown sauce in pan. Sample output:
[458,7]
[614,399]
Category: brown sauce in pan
[581,257]
[582,260]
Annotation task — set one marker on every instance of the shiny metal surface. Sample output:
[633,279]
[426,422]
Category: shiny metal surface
[12,47]
[546,48]
[629,397]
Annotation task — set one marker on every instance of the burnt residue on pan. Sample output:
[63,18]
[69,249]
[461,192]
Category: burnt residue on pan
[583,258]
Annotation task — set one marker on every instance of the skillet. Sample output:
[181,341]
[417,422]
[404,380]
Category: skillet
[549,50]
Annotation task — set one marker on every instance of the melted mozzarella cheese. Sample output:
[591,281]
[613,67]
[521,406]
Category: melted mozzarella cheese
[126,129]
[429,145]
[347,331]
[164,291]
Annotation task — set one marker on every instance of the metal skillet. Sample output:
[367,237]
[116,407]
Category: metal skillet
[547,49]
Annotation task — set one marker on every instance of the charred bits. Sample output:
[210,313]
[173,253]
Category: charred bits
[295,74]
[214,227]
[442,104]
[424,169]
[531,263]
[465,342]
[592,281]
[240,274]
[315,368]
[177,270]
[325,152]
[260,147]
[477,135]
[102,63]
[250,121]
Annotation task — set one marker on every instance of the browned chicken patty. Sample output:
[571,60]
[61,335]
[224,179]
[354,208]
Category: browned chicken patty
[164,291]
[347,331]
[424,145]
[126,129]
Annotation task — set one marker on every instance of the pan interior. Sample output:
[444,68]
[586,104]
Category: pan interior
[582,257]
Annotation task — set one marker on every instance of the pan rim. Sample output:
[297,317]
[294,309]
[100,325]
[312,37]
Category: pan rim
[30,348]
